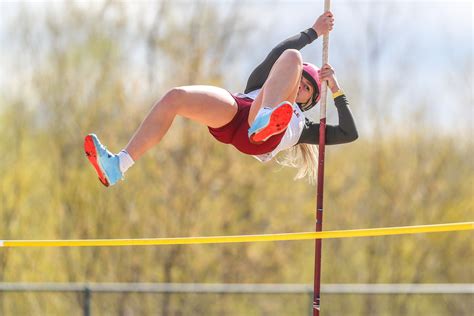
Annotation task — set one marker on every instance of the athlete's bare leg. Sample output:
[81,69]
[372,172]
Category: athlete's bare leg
[282,82]
[211,106]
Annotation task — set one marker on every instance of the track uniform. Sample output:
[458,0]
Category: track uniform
[300,130]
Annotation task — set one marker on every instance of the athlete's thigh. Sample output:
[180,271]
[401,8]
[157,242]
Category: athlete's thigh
[209,105]
[255,107]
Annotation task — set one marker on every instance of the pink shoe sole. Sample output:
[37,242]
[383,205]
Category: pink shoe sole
[91,154]
[279,120]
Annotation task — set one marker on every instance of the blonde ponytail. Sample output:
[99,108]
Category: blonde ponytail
[305,158]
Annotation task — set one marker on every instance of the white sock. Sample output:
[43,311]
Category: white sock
[125,160]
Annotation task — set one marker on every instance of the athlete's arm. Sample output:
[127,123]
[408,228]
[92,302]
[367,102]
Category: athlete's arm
[344,132]
[259,75]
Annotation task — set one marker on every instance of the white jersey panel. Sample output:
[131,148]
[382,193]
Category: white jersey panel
[252,94]
[292,133]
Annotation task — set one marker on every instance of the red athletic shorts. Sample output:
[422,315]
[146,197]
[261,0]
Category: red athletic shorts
[236,131]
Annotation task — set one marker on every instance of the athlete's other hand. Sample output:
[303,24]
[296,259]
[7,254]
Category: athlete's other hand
[327,73]
[324,23]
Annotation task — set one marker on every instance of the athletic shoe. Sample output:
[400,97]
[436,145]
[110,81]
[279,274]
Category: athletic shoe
[269,122]
[105,163]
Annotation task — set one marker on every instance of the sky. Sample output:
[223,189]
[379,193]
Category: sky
[426,47]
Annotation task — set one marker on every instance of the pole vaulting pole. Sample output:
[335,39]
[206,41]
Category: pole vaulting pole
[320,185]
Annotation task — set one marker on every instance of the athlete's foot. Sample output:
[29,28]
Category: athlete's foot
[270,122]
[104,162]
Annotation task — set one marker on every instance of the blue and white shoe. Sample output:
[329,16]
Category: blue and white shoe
[105,163]
[270,122]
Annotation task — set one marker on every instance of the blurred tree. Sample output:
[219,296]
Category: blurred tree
[98,68]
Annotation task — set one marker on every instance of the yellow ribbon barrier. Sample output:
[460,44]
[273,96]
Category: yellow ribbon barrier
[372,232]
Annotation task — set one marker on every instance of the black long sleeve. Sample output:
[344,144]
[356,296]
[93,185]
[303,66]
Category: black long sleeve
[260,74]
[344,132]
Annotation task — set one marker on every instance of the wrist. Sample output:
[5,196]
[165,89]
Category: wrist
[337,93]
[311,33]
[318,32]
[334,88]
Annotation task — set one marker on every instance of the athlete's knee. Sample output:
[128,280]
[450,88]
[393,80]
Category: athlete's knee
[174,98]
[292,56]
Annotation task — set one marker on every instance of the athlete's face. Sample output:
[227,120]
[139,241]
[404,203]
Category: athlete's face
[305,91]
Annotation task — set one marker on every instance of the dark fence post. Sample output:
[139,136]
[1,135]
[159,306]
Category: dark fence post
[87,301]
[310,305]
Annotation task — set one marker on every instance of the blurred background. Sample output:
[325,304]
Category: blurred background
[69,68]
